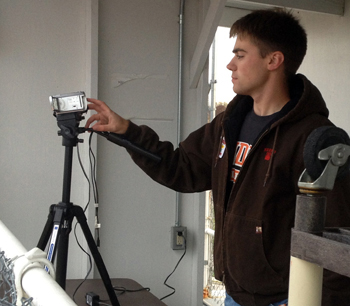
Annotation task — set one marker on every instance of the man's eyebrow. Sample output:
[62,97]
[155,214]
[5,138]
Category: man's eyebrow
[238,50]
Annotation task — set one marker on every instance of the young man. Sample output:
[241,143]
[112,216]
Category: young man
[251,157]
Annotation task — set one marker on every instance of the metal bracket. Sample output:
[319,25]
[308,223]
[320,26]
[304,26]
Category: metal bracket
[337,155]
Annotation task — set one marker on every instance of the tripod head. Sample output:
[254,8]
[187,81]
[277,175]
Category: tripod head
[69,125]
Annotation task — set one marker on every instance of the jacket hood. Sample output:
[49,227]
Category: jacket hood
[309,99]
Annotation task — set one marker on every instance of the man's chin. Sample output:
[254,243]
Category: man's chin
[237,91]
[240,91]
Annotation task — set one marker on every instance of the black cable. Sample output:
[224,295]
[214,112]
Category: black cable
[92,159]
[75,226]
[123,290]
[86,177]
[165,282]
[90,262]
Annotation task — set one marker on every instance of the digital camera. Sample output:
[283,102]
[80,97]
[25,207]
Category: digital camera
[69,103]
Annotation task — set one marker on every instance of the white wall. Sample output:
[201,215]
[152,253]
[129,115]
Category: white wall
[139,40]
[327,62]
[45,49]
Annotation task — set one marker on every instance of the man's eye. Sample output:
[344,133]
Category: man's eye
[239,56]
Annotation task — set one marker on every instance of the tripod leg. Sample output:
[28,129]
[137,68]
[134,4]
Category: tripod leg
[58,226]
[62,257]
[79,213]
[44,238]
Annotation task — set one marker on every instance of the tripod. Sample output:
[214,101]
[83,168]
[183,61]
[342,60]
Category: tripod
[61,215]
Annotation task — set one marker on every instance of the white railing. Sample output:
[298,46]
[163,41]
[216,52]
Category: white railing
[214,290]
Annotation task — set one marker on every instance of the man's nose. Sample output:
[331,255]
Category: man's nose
[231,65]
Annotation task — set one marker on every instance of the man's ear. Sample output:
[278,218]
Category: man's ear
[276,60]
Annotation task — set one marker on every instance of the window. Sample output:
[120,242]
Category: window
[220,95]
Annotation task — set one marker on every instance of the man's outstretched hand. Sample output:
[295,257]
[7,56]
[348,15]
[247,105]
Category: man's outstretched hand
[105,119]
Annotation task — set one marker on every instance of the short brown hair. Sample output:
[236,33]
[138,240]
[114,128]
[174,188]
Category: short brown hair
[275,30]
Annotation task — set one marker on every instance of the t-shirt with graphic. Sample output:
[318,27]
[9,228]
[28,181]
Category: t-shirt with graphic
[252,126]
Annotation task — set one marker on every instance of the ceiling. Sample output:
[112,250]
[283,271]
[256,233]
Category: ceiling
[322,6]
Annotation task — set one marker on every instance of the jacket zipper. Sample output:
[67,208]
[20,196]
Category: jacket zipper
[233,187]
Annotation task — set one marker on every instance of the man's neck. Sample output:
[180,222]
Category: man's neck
[271,101]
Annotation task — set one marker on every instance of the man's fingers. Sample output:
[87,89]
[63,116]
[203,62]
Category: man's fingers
[95,101]
[91,120]
[106,120]
[97,105]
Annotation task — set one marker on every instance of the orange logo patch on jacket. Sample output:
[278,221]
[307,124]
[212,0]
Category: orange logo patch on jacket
[223,147]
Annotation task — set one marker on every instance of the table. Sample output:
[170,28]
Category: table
[144,298]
